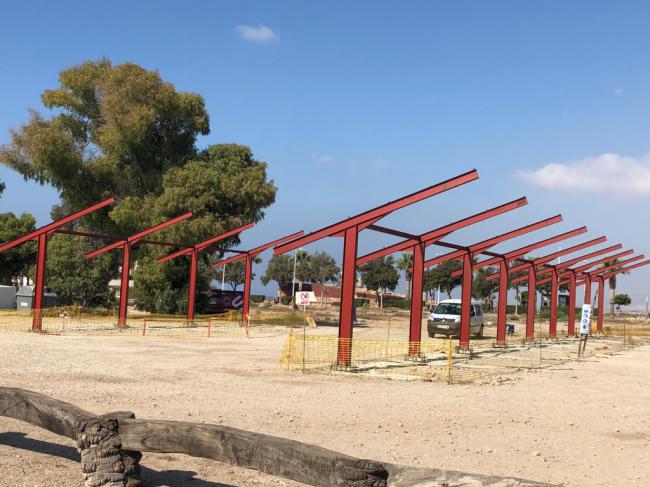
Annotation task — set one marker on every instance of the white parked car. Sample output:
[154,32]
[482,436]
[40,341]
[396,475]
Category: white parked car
[445,319]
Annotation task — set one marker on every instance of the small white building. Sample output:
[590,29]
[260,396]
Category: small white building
[7,297]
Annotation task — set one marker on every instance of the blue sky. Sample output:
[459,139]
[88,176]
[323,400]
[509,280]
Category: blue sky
[356,103]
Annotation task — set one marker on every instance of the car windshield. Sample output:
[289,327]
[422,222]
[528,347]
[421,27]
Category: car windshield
[447,309]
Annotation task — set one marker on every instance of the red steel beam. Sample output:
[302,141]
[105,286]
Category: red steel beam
[626,269]
[133,239]
[378,212]
[349,230]
[482,246]
[248,257]
[583,276]
[503,261]
[417,245]
[467,274]
[126,245]
[520,252]
[564,272]
[111,238]
[193,252]
[56,224]
[429,238]
[41,235]
[538,262]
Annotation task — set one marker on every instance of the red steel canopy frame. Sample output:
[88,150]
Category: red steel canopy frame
[560,271]
[554,279]
[502,260]
[193,252]
[126,245]
[417,244]
[602,277]
[41,235]
[467,254]
[249,256]
[349,229]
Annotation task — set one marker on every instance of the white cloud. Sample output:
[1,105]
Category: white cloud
[618,92]
[323,158]
[261,34]
[380,164]
[606,174]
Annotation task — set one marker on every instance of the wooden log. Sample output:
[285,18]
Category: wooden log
[290,459]
[104,462]
[119,437]
[286,458]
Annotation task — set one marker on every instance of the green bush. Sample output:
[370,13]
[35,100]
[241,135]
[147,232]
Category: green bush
[358,303]
[286,299]
[257,298]
[400,303]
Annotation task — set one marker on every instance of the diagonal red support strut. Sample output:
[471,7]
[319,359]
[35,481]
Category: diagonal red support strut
[349,230]
[248,257]
[193,252]
[417,244]
[126,246]
[41,235]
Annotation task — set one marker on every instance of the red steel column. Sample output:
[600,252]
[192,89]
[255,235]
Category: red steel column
[466,301]
[39,282]
[601,305]
[503,302]
[552,324]
[415,331]
[532,294]
[571,324]
[248,263]
[348,276]
[588,291]
[124,285]
[191,293]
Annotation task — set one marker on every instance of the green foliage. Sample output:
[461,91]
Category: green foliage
[482,288]
[322,268]
[15,263]
[287,299]
[280,270]
[257,298]
[441,275]
[405,263]
[75,279]
[380,274]
[400,303]
[622,300]
[236,273]
[116,131]
[358,303]
[120,130]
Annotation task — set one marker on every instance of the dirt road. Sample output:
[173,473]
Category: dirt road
[585,423]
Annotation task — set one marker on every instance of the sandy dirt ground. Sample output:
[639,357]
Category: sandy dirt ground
[580,423]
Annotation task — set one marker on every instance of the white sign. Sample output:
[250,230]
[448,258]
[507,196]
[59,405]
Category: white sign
[585,322]
[304,298]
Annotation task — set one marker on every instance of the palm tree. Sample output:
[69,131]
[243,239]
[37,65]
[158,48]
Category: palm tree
[612,283]
[405,263]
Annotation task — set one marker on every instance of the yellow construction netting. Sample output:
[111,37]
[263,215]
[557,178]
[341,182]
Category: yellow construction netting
[224,326]
[440,359]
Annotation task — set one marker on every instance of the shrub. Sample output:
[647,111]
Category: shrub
[257,298]
[286,299]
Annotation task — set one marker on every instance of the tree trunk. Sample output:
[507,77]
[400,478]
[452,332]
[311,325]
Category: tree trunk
[409,278]
[381,298]
[517,298]
[612,296]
